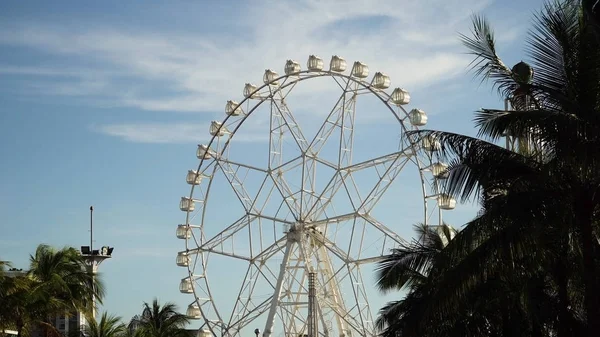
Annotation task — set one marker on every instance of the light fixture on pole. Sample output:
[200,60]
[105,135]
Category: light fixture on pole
[93,257]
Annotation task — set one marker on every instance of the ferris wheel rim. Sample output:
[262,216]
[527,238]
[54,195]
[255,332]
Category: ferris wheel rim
[382,95]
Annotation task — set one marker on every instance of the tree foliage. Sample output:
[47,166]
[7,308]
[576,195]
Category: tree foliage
[57,282]
[529,263]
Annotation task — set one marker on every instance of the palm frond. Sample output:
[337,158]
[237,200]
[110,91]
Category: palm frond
[108,326]
[551,45]
[408,265]
[487,64]
[475,164]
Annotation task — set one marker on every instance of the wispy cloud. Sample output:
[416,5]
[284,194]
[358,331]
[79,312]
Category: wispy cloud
[171,133]
[178,72]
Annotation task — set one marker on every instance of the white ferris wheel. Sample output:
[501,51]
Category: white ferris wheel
[282,254]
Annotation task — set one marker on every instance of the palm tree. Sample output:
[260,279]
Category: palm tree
[58,282]
[22,306]
[65,274]
[410,264]
[64,284]
[163,321]
[108,326]
[408,268]
[538,228]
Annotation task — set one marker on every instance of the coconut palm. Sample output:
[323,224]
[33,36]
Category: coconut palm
[23,305]
[63,284]
[532,253]
[65,274]
[163,321]
[108,326]
[410,264]
[408,268]
[57,283]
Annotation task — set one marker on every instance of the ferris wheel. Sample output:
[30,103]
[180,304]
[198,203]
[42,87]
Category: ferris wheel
[299,222]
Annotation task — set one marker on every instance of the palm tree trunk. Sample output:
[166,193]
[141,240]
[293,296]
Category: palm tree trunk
[564,317]
[592,301]
[19,327]
[506,329]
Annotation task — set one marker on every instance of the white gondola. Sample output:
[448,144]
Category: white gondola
[204,333]
[337,64]
[204,152]
[270,77]
[400,96]
[187,204]
[314,63]
[291,67]
[381,81]
[417,117]
[218,129]
[446,202]
[439,170]
[194,178]
[183,232]
[431,143]
[360,70]
[193,312]
[183,259]
[185,286]
[249,90]
[233,108]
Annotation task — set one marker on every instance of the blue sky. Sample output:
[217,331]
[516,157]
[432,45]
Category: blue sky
[103,104]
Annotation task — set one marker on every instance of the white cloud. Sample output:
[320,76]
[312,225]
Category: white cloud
[171,133]
[415,42]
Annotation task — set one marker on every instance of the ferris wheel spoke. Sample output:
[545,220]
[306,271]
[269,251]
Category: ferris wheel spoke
[345,179]
[325,199]
[378,161]
[386,178]
[205,303]
[290,197]
[331,123]
[233,241]
[377,175]
[321,239]
[360,312]
[238,175]
[276,247]
[282,119]
[390,236]
[250,316]
[245,309]
[347,131]
[356,238]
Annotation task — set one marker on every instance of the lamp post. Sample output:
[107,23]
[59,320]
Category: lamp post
[522,100]
[93,258]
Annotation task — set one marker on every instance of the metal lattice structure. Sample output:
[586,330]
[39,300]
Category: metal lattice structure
[292,228]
